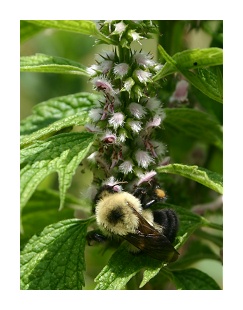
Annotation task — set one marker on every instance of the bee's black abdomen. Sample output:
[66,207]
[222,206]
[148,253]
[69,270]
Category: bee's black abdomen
[170,222]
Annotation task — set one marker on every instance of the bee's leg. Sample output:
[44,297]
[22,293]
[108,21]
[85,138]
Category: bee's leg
[168,219]
[95,235]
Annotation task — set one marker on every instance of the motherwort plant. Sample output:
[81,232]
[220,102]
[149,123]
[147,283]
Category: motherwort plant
[130,112]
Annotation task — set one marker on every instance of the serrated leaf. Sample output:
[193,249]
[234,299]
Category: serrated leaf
[55,259]
[27,30]
[42,210]
[86,27]
[51,64]
[121,267]
[206,83]
[201,175]
[62,154]
[191,59]
[55,114]
[193,279]
[194,124]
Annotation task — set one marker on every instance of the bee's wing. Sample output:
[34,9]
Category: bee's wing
[152,242]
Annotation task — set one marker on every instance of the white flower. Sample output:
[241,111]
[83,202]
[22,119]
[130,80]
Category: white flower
[135,126]
[143,76]
[153,104]
[106,66]
[155,122]
[128,84]
[143,158]
[95,114]
[180,92]
[117,120]
[126,167]
[122,135]
[158,67]
[119,29]
[135,36]
[137,110]
[144,60]
[93,70]
[121,69]
[159,147]
[92,128]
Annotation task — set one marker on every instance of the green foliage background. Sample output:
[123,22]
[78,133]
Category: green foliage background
[192,132]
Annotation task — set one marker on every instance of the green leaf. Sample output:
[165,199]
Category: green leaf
[193,279]
[194,124]
[207,82]
[203,176]
[191,59]
[55,259]
[86,27]
[62,154]
[121,267]
[203,79]
[42,210]
[195,252]
[55,114]
[27,30]
[51,64]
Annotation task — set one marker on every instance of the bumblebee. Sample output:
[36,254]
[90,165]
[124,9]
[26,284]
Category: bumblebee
[120,214]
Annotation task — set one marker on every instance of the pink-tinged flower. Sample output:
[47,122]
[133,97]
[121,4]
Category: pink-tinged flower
[103,84]
[153,104]
[92,128]
[143,76]
[107,55]
[114,183]
[155,148]
[181,91]
[106,66]
[117,120]
[126,167]
[136,110]
[166,161]
[144,60]
[159,147]
[143,158]
[119,28]
[121,69]
[92,157]
[135,126]
[147,177]
[95,114]
[155,122]
[108,137]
